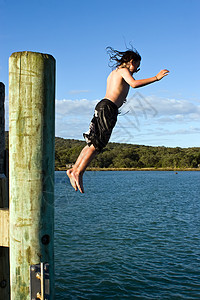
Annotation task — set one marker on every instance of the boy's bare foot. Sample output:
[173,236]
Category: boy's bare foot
[72,180]
[78,178]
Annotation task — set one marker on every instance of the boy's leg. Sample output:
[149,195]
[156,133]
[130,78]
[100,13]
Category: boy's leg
[78,161]
[81,156]
[72,181]
[76,173]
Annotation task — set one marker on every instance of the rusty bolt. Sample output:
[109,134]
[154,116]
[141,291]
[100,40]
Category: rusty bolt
[45,239]
[3,283]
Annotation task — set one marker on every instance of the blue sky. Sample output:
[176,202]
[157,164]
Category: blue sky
[76,33]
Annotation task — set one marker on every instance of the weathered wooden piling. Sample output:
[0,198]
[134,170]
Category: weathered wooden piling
[4,213]
[31,167]
[2,126]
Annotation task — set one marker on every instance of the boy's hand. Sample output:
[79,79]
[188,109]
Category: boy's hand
[162,74]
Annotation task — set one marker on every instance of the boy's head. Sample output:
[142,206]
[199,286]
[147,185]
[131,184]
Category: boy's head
[124,59]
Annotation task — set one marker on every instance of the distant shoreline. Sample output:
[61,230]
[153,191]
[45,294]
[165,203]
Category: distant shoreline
[135,169]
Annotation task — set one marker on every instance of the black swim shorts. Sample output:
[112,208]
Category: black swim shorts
[102,124]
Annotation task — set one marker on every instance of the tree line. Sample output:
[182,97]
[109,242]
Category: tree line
[119,155]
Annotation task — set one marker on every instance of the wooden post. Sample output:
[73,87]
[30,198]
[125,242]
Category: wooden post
[4,213]
[31,167]
[2,126]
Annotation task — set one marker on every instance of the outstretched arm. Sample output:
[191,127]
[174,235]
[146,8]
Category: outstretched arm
[142,82]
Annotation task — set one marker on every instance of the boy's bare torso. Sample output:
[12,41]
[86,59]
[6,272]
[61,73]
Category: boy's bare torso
[117,88]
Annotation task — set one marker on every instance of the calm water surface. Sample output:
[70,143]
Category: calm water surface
[132,235]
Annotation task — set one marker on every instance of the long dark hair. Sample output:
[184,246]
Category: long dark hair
[118,58]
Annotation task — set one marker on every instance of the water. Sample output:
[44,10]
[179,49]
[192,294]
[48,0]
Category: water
[132,235]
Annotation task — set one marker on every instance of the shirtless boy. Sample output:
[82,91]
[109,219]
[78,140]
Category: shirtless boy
[106,111]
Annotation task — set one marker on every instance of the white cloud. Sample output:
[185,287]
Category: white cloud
[174,107]
[144,113]
[191,130]
[163,108]
[73,117]
[136,106]
[75,107]
[151,120]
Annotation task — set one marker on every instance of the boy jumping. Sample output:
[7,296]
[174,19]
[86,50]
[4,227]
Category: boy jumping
[106,111]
